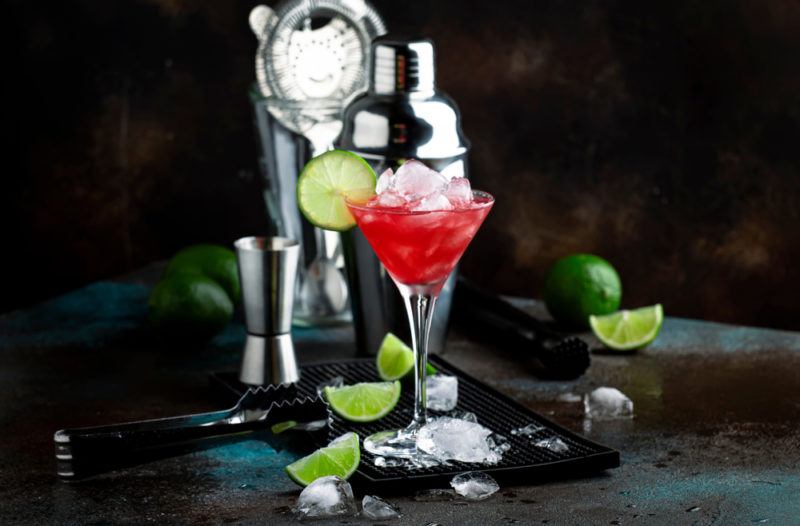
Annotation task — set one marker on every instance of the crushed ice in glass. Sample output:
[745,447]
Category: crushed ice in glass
[385,181]
[432,202]
[336,381]
[607,403]
[554,444]
[421,189]
[414,180]
[447,438]
[526,431]
[441,392]
[474,485]
[326,497]
[376,508]
[458,191]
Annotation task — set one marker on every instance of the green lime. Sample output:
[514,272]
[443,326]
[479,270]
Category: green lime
[364,402]
[396,359]
[326,181]
[213,261]
[190,305]
[581,285]
[341,457]
[280,427]
[628,329]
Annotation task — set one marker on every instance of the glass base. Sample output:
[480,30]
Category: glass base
[400,443]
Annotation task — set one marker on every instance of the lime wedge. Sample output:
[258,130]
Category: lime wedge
[341,457]
[628,329]
[364,402]
[396,359]
[326,181]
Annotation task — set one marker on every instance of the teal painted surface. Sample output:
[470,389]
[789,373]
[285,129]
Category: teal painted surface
[250,465]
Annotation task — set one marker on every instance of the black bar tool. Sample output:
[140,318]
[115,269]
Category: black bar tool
[562,356]
[87,451]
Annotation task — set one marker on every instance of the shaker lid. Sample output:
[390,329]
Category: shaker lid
[402,65]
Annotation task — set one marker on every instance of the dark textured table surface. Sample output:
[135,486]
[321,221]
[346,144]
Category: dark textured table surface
[715,438]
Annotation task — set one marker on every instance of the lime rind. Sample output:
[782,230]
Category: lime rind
[363,402]
[341,458]
[325,184]
[626,330]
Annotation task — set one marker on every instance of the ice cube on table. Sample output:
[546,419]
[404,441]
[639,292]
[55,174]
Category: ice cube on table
[554,444]
[413,180]
[376,508]
[607,403]
[458,191]
[474,485]
[385,181]
[442,392]
[326,497]
[448,438]
[528,430]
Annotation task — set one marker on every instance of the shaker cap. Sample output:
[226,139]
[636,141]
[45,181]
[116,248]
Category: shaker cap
[402,65]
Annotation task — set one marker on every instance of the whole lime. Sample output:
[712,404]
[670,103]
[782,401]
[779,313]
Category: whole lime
[189,305]
[581,285]
[213,261]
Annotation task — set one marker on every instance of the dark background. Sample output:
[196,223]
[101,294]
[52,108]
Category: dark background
[663,136]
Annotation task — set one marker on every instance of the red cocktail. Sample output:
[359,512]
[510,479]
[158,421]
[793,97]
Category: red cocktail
[421,248]
[419,225]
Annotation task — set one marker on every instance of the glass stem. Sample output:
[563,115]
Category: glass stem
[420,313]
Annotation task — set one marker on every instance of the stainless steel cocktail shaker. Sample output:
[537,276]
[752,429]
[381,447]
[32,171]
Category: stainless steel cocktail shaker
[402,115]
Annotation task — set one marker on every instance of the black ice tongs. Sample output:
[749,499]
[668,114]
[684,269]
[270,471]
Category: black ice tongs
[561,355]
[86,451]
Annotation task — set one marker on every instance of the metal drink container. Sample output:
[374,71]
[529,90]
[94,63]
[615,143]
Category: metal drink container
[401,116]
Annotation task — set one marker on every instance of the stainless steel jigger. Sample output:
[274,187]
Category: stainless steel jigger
[267,272]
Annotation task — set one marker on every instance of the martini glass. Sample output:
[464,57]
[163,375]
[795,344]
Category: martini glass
[419,250]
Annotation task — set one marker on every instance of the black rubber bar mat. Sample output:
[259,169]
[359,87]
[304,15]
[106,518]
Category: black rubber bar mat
[523,463]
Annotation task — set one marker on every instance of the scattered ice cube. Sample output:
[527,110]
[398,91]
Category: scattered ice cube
[448,438]
[434,495]
[378,509]
[419,461]
[389,462]
[413,180]
[498,443]
[554,444]
[526,431]
[458,191]
[569,397]
[390,199]
[385,181]
[474,485]
[326,497]
[336,381]
[469,416]
[441,392]
[607,403]
[432,202]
